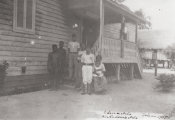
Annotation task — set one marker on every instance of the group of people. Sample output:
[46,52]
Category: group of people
[85,70]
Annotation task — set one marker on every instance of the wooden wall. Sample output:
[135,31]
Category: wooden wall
[112,43]
[16,47]
[131,31]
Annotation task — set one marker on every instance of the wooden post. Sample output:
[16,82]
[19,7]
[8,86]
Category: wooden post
[132,71]
[168,64]
[136,34]
[122,36]
[101,26]
[149,62]
[81,31]
[155,61]
[118,72]
[163,64]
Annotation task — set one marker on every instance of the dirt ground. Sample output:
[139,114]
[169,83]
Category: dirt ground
[68,104]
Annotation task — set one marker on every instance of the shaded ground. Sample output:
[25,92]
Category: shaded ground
[68,104]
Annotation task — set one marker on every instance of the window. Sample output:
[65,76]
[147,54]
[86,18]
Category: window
[24,16]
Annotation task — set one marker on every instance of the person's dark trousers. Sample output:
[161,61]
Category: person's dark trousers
[54,80]
[60,78]
[78,81]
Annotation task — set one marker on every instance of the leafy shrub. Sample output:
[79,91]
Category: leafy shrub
[166,82]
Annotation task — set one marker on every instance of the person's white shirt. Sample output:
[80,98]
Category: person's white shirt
[80,53]
[73,46]
[88,58]
[99,70]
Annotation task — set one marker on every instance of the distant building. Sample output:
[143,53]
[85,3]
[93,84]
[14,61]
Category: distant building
[151,41]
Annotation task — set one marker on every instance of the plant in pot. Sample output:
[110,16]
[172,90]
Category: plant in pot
[166,82]
[3,67]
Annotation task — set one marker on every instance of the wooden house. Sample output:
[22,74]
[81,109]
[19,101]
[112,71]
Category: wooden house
[28,28]
[153,42]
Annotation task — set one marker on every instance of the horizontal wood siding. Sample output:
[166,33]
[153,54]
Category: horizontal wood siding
[112,44]
[16,48]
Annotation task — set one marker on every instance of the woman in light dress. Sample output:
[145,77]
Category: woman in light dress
[99,79]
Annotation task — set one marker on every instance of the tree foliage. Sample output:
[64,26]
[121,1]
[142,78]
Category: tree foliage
[119,1]
[147,24]
[170,52]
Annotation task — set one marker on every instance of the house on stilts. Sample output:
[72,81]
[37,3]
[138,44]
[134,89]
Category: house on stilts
[28,28]
[153,45]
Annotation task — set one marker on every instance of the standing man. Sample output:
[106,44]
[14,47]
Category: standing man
[73,48]
[61,61]
[53,66]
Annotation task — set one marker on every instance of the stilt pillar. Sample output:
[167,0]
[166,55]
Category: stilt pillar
[163,64]
[132,71]
[149,62]
[118,68]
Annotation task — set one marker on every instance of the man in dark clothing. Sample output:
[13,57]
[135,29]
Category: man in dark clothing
[53,66]
[56,64]
[61,61]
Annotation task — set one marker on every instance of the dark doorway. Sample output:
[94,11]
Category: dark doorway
[90,32]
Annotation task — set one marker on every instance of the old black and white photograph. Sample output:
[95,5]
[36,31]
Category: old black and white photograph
[87,60]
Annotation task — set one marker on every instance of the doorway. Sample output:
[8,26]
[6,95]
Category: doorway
[85,29]
[90,32]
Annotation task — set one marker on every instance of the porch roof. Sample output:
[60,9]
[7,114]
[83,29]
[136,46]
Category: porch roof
[122,9]
[90,9]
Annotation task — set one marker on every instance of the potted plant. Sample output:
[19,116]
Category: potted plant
[3,67]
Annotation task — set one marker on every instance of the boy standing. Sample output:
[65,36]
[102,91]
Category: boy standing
[79,72]
[52,66]
[87,70]
[61,61]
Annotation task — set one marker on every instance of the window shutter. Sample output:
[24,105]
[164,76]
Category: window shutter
[29,16]
[20,13]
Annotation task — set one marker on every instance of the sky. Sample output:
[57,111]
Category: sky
[162,13]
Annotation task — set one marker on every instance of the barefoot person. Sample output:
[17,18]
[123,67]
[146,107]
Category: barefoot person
[79,72]
[61,61]
[53,66]
[98,75]
[87,70]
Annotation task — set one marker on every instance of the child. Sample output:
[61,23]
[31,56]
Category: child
[52,66]
[79,65]
[98,75]
[61,61]
[87,70]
